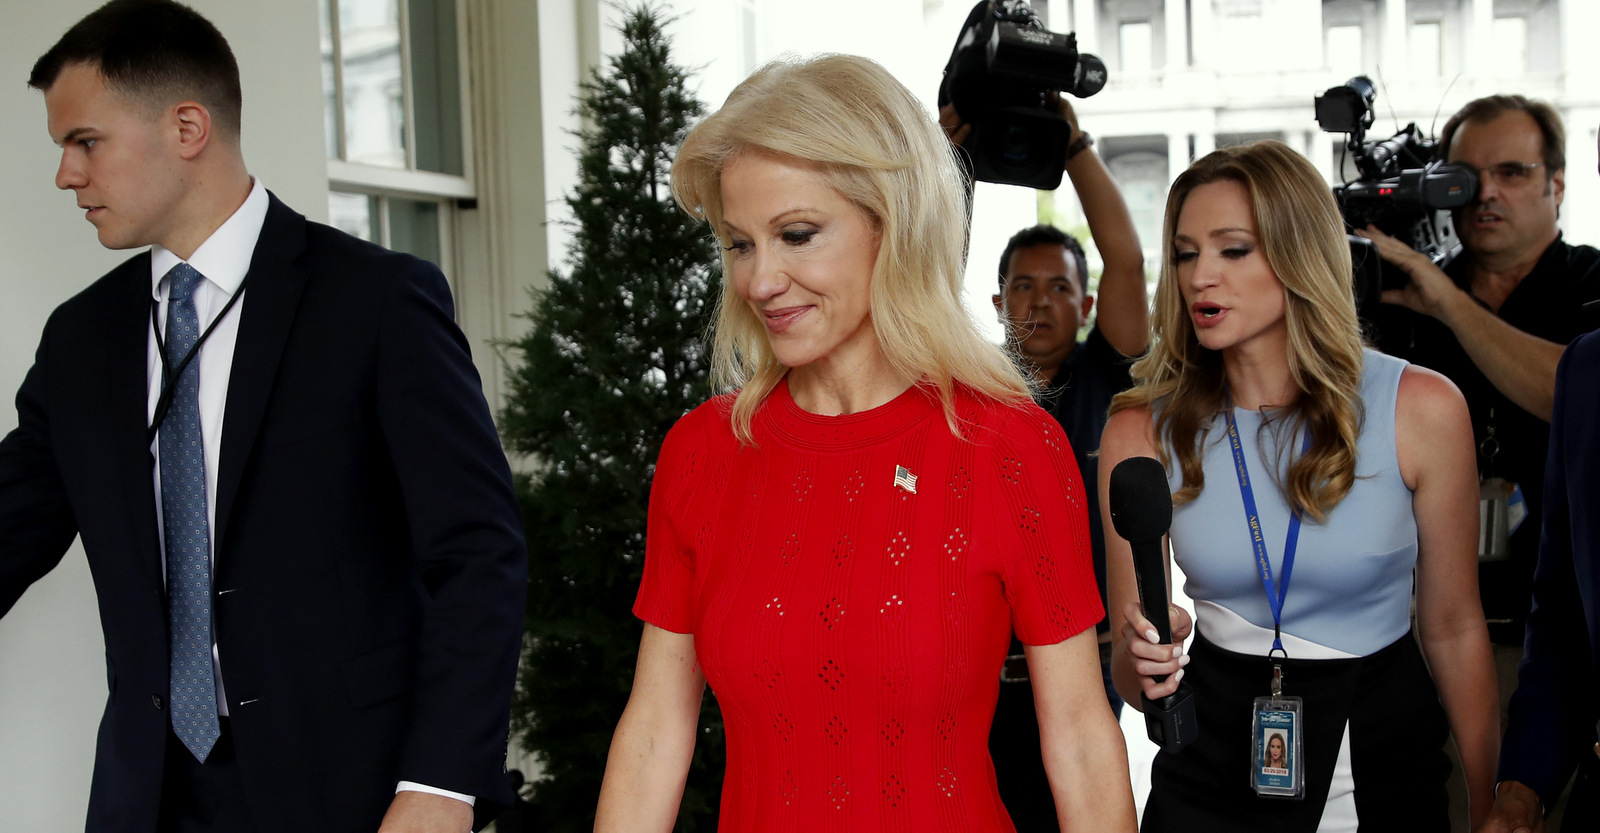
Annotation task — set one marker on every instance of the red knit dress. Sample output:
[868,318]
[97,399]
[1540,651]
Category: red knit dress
[853,622]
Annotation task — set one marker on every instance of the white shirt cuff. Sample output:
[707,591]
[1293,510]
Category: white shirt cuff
[413,786]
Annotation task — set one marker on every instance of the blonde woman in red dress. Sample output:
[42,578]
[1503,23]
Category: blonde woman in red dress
[842,547]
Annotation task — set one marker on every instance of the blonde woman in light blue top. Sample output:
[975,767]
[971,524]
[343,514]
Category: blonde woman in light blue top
[1255,327]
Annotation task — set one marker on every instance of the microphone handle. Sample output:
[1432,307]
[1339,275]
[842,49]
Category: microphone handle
[1152,580]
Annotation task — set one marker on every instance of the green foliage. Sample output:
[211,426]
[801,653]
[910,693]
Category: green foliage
[614,356]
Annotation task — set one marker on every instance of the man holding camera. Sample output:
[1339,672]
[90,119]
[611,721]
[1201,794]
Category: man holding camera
[1044,300]
[1495,321]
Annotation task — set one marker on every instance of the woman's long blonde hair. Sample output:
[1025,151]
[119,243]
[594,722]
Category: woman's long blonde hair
[873,142]
[1303,239]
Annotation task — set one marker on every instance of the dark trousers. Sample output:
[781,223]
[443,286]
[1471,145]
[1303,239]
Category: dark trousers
[1580,811]
[203,797]
[1386,698]
[1018,760]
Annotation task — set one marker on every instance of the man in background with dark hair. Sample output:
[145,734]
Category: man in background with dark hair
[1044,301]
[274,446]
[1495,321]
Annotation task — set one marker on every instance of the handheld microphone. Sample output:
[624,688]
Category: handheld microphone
[1141,512]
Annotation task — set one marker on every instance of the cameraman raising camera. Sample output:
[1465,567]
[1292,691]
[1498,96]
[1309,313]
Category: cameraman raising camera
[1496,320]
[1044,299]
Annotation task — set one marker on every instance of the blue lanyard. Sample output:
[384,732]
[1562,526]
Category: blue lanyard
[1253,518]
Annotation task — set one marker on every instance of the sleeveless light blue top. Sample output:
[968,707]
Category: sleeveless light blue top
[1351,587]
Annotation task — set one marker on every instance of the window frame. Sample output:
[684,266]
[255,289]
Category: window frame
[1151,67]
[410,177]
[386,183]
[1524,47]
[1414,26]
[383,234]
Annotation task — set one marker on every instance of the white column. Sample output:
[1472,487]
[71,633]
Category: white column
[1392,56]
[1205,141]
[564,52]
[1480,57]
[1580,63]
[1298,141]
[1177,35]
[1057,14]
[1085,23]
[1177,155]
[1203,22]
[591,34]
[1320,151]
[1580,60]
[1580,209]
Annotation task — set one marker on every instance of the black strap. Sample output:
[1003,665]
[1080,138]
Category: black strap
[168,374]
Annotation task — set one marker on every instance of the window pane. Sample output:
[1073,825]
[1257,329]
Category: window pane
[414,228]
[1245,35]
[1425,50]
[1136,45]
[1343,50]
[374,92]
[1511,45]
[330,82]
[747,26]
[353,214]
[436,85]
[1142,177]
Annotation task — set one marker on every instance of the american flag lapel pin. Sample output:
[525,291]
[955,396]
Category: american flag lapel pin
[904,479]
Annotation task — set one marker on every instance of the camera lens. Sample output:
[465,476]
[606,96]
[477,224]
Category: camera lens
[1020,146]
[1017,146]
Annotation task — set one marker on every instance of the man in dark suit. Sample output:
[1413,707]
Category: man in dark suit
[272,441]
[1557,703]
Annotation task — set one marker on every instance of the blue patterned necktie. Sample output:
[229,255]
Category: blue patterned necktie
[192,691]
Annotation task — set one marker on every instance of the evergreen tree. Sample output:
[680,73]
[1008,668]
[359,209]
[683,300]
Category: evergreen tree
[614,356]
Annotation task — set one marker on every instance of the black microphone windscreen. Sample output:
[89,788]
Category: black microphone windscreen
[1141,502]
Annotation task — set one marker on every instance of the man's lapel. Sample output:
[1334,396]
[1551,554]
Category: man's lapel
[127,409]
[272,294]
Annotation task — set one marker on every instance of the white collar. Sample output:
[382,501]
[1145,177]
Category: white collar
[224,258]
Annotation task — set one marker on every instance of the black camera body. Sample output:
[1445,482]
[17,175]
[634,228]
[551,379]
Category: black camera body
[1403,185]
[1000,74]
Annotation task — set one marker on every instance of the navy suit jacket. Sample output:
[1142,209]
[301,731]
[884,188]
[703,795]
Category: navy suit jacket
[1557,701]
[370,568]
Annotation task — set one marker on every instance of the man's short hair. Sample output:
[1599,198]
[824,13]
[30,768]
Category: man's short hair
[1043,235]
[154,52]
[1491,107]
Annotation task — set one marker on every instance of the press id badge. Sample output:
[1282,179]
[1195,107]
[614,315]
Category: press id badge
[1276,768]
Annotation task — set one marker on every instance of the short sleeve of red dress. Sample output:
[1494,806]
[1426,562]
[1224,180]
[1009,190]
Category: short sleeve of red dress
[1042,524]
[666,592]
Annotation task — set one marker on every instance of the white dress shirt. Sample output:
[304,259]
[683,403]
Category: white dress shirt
[222,260]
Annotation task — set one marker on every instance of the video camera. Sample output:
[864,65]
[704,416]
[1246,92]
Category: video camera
[999,77]
[1402,189]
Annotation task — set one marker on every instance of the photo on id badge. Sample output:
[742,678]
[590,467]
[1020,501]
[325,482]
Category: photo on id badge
[1276,754]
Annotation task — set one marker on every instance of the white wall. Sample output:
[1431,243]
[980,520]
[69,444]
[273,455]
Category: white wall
[52,667]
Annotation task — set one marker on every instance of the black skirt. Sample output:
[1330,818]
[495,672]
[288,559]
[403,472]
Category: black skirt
[1397,736]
